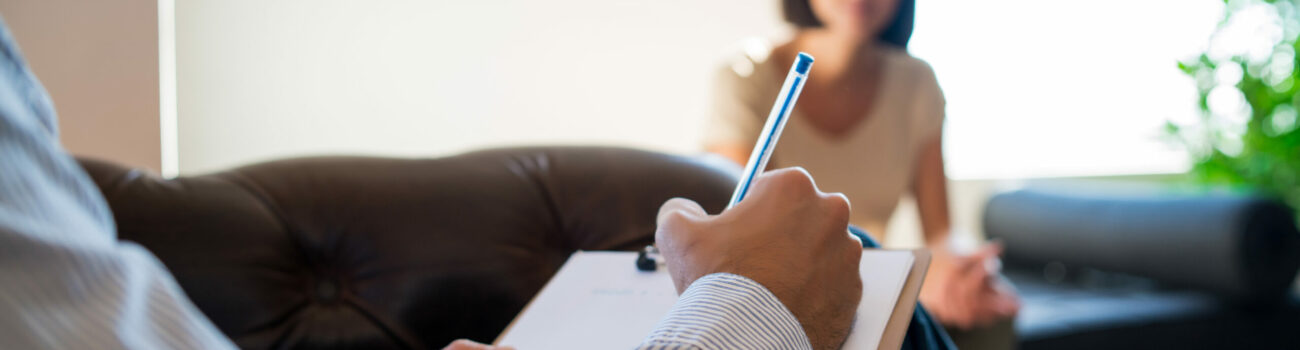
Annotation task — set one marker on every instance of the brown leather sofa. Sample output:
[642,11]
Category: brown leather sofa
[375,253]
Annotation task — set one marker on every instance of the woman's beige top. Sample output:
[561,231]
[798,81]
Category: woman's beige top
[873,164]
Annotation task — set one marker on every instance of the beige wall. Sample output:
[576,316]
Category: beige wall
[260,80]
[99,61]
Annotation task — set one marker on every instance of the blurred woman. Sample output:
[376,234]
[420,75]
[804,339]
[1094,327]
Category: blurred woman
[868,124]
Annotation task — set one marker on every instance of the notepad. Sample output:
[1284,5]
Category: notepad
[598,300]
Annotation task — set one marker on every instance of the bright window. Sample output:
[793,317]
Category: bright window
[1063,88]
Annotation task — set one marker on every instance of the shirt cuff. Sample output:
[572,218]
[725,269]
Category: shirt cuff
[727,311]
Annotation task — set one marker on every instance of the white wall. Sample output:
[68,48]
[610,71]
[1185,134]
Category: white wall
[260,80]
[99,62]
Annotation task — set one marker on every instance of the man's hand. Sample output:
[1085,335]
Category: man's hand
[785,235]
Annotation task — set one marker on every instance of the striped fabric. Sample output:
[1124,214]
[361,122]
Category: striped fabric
[65,280]
[726,311]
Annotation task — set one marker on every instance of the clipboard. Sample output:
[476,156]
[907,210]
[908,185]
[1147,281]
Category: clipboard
[636,328]
[906,306]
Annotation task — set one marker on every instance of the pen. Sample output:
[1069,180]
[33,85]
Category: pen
[646,260]
[785,100]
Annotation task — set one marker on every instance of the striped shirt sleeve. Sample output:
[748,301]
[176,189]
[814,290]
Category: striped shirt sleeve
[727,311]
[65,280]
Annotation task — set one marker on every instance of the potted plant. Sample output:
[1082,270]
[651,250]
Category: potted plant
[1248,134]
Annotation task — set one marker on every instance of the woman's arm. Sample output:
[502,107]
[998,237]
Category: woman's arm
[963,289]
[930,187]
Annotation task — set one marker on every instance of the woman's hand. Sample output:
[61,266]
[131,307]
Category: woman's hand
[967,291]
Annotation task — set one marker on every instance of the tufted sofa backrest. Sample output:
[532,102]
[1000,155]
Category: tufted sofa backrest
[376,253]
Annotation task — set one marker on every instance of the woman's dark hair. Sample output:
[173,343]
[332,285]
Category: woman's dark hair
[800,14]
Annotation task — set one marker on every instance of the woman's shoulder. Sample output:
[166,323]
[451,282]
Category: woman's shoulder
[924,95]
[911,67]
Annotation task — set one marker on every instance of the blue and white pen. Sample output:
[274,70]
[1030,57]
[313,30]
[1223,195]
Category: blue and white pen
[775,124]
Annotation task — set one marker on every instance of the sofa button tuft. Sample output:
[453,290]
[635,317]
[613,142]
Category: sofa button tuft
[327,291]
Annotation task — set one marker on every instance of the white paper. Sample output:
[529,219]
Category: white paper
[599,300]
[884,272]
